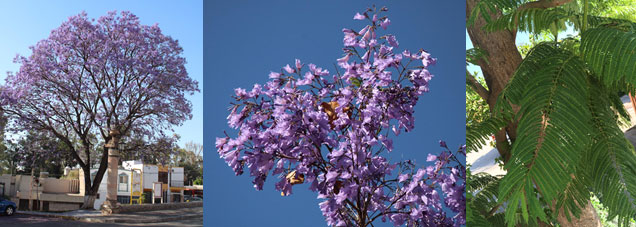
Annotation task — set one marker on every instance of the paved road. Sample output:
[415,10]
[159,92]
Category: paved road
[22,220]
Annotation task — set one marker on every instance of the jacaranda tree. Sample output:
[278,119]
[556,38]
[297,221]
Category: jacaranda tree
[307,125]
[89,77]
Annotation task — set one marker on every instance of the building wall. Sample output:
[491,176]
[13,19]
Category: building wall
[53,185]
[55,194]
[103,186]
[151,175]
[7,185]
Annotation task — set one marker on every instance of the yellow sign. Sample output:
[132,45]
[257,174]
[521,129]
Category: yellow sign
[136,186]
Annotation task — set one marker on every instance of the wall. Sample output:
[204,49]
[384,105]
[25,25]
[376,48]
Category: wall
[6,180]
[53,185]
[55,206]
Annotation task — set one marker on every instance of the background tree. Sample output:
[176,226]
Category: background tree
[159,151]
[331,130]
[39,152]
[89,77]
[8,157]
[190,157]
[555,112]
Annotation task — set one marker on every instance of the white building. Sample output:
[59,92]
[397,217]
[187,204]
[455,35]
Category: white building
[136,178]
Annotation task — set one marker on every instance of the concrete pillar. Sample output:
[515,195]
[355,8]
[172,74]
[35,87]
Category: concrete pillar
[111,205]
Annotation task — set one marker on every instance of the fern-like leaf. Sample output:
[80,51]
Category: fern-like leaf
[485,7]
[549,136]
[611,160]
[611,54]
[533,20]
[482,200]
[478,135]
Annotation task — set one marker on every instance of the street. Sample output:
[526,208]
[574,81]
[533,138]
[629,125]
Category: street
[23,220]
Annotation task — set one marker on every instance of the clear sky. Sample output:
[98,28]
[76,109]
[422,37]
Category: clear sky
[244,42]
[24,23]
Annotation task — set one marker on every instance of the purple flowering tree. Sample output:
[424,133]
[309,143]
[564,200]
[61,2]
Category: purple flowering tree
[89,77]
[330,131]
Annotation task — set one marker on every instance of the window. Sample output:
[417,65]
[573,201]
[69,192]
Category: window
[163,177]
[123,182]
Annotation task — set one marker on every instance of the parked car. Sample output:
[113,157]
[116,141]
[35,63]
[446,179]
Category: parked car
[7,207]
[189,198]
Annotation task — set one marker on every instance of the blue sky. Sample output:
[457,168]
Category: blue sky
[244,42]
[24,23]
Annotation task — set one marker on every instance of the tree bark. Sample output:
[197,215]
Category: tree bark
[588,218]
[503,58]
[92,187]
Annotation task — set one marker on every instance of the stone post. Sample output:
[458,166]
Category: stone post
[111,205]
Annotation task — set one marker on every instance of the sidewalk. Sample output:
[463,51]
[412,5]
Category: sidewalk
[95,216]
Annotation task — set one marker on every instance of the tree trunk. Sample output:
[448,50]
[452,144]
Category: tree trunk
[588,218]
[89,201]
[92,187]
[89,196]
[503,58]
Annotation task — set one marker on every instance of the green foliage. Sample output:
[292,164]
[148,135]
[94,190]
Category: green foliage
[548,139]
[485,7]
[562,107]
[478,134]
[481,192]
[531,20]
[479,124]
[475,54]
[613,172]
[611,54]
[619,9]
[191,160]
[476,107]
[198,181]
[553,20]
[72,175]
[603,214]
[569,145]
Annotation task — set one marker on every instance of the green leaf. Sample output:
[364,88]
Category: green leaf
[611,54]
[550,87]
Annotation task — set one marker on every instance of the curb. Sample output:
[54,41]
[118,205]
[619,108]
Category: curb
[49,215]
[114,220]
[124,220]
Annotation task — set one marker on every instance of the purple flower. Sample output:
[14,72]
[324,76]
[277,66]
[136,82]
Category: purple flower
[298,64]
[274,75]
[359,16]
[392,41]
[385,23]
[403,177]
[334,134]
[431,158]
[289,69]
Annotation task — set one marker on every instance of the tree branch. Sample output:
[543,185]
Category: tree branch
[477,87]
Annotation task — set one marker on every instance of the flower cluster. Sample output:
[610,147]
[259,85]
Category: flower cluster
[307,125]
